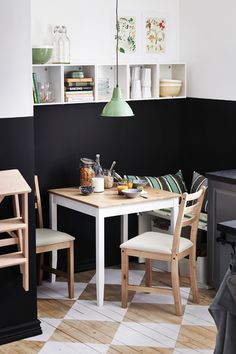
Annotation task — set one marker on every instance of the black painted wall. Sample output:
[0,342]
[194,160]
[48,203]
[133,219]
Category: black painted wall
[191,134]
[147,144]
[207,136]
[18,309]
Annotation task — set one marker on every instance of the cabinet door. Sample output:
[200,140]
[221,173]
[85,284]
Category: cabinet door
[15,59]
[222,207]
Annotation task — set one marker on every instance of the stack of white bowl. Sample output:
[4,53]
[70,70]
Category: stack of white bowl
[140,83]
[146,82]
[135,90]
[170,88]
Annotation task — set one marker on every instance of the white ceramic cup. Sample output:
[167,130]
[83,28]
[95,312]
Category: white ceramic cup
[98,184]
[146,77]
[146,92]
[135,92]
[135,73]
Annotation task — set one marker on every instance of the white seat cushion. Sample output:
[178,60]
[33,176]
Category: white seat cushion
[155,242]
[46,237]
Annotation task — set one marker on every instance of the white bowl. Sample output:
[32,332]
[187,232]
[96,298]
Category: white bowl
[131,193]
[139,183]
[170,81]
[170,88]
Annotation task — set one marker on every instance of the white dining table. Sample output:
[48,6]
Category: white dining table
[108,204]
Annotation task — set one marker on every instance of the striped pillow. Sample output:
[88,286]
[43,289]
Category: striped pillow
[171,182]
[198,181]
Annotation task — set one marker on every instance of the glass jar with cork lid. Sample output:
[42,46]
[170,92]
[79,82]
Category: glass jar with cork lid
[86,171]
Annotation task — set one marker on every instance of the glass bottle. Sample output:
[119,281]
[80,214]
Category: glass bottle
[98,180]
[64,46]
[56,36]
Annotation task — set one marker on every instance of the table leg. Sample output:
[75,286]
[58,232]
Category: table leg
[144,225]
[174,215]
[100,268]
[53,225]
[144,222]
[124,228]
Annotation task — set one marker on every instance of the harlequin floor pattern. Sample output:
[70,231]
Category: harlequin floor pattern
[148,325]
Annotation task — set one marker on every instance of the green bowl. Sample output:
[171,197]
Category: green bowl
[41,54]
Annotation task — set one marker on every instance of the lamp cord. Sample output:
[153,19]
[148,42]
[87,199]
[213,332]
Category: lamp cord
[117,43]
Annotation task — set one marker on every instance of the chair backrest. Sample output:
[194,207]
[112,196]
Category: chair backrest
[189,213]
[37,202]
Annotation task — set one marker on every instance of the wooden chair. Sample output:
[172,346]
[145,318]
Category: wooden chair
[166,247]
[13,184]
[48,240]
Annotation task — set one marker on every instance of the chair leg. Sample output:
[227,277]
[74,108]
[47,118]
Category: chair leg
[175,286]
[124,278]
[148,272]
[70,269]
[40,269]
[193,277]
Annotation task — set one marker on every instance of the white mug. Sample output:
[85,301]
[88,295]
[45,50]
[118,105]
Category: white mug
[136,89]
[135,73]
[146,77]
[146,92]
[98,184]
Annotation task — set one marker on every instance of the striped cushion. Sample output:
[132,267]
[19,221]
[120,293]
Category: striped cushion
[163,217]
[198,181]
[171,182]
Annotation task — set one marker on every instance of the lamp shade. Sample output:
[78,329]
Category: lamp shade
[117,106]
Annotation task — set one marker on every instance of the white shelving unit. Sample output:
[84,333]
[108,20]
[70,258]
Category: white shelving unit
[106,75]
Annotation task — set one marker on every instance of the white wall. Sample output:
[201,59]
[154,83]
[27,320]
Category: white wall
[91,27]
[15,59]
[208,45]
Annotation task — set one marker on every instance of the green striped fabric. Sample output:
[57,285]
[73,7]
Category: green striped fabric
[171,182]
[165,214]
[198,181]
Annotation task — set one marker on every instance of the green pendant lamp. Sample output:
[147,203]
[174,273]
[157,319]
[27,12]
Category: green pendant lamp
[117,107]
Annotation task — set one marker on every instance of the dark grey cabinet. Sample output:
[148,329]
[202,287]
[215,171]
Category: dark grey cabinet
[222,207]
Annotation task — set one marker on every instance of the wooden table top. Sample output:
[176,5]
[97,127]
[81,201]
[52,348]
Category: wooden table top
[110,197]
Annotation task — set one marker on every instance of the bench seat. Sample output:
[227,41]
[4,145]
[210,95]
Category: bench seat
[165,214]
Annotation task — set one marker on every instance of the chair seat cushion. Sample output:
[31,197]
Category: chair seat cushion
[155,242]
[46,237]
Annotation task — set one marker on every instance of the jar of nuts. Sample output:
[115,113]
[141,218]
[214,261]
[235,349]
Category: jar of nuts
[86,171]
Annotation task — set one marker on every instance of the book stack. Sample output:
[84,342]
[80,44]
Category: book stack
[78,89]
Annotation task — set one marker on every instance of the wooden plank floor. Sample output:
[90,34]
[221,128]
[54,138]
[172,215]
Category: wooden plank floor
[148,326]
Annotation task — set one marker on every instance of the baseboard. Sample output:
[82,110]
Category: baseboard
[21,331]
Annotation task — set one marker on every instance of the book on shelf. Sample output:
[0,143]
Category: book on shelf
[79,93]
[78,79]
[78,84]
[75,73]
[81,96]
[78,88]
[36,92]
[71,99]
